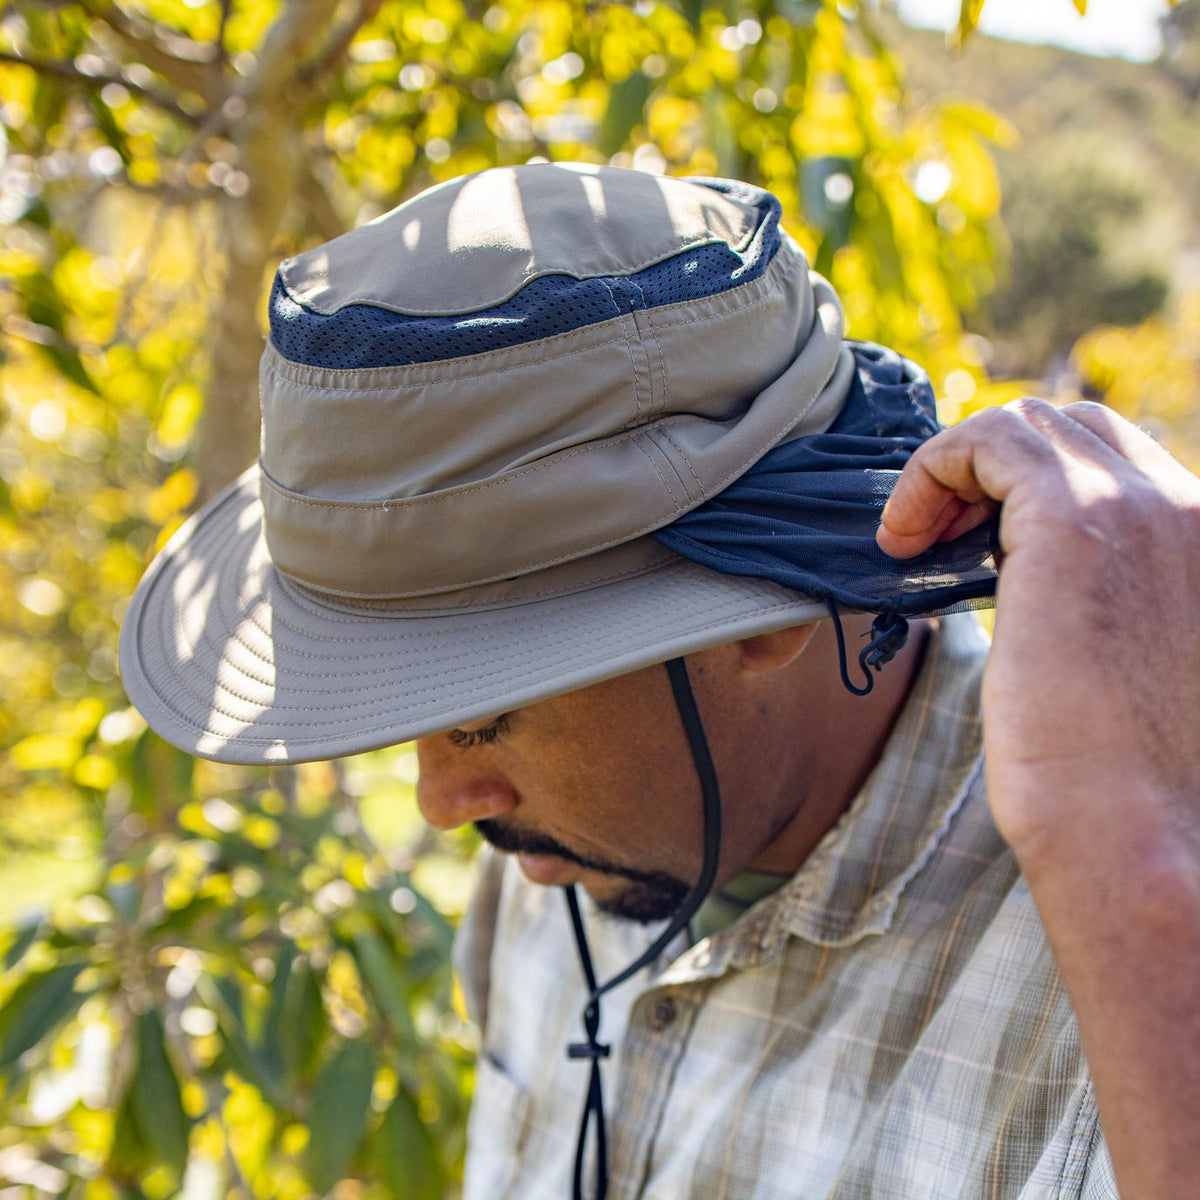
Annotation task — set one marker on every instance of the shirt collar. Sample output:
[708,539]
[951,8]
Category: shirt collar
[850,886]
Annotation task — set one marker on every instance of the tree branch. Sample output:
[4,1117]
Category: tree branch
[68,70]
[189,74]
[318,204]
[296,28]
[222,49]
[339,42]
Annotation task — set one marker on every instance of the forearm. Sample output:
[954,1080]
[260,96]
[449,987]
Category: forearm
[1092,733]
[1120,902]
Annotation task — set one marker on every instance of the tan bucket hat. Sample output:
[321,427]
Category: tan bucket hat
[476,409]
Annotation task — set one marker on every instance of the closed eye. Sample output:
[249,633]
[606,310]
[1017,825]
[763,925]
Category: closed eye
[464,739]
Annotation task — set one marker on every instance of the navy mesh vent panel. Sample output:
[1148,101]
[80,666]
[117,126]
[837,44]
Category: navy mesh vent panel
[363,335]
[805,514]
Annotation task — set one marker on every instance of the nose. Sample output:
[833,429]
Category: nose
[452,793]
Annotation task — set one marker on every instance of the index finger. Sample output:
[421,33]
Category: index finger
[956,480]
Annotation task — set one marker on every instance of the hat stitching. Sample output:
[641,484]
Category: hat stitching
[628,343]
[326,721]
[335,379]
[648,335]
[700,318]
[653,461]
[442,677]
[391,636]
[666,434]
[460,490]
[439,497]
[317,609]
[652,437]
[251,617]
[629,536]
[468,366]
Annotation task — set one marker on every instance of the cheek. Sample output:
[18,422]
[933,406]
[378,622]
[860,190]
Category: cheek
[634,800]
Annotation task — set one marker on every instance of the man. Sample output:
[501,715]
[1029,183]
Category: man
[542,430]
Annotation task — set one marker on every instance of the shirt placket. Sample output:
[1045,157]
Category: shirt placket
[653,1046]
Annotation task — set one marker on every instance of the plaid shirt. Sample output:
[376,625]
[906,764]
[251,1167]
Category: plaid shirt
[888,1024]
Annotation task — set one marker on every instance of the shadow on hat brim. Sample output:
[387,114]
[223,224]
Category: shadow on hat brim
[227,660]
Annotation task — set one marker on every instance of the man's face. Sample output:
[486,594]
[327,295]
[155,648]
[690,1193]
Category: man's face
[597,787]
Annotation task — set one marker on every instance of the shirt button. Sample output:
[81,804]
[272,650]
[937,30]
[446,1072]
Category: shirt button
[662,1012]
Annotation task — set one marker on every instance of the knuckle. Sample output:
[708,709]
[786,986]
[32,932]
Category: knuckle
[1088,409]
[1023,427]
[989,423]
[1031,408]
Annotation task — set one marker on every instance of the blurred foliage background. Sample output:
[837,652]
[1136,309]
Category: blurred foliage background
[229,982]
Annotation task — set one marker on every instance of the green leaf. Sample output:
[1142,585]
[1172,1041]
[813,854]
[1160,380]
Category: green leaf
[108,127]
[626,104]
[155,1096]
[178,919]
[39,1005]
[338,1116]
[405,1156]
[302,1023]
[381,973]
[24,938]
[128,1155]
[271,1039]
[225,998]
[161,775]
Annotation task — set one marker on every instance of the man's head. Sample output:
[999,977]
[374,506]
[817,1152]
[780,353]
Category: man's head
[476,411]
[537,429]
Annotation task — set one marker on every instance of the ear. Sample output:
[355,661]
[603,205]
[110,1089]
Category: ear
[770,651]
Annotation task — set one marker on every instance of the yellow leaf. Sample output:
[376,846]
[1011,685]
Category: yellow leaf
[180,410]
[968,19]
[172,496]
[261,832]
[979,119]
[95,771]
[81,719]
[828,125]
[45,752]
[167,532]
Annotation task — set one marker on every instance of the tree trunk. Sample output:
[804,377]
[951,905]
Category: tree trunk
[271,155]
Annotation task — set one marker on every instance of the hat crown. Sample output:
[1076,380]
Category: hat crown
[474,409]
[474,242]
[599,350]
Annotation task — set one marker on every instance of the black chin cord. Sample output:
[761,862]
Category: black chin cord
[889,632]
[592,1049]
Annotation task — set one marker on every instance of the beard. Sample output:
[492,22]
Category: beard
[647,896]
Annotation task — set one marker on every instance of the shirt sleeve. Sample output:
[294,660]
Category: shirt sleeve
[476,935]
[1087,1172]
[1099,1183]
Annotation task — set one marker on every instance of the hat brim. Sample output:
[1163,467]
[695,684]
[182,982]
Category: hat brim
[230,662]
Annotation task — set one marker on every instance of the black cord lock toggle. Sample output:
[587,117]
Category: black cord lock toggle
[588,1050]
[889,632]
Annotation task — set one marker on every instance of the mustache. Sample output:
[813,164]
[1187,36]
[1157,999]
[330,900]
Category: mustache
[521,841]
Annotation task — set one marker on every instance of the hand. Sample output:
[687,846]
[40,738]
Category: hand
[1091,724]
[1095,667]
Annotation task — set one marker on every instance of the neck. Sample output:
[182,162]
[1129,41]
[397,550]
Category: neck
[844,736]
